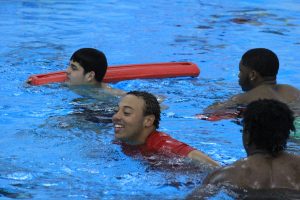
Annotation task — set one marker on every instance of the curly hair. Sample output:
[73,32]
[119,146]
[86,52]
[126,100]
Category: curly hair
[262,60]
[269,123]
[151,105]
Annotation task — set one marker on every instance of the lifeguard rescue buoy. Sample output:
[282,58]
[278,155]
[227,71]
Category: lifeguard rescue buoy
[220,115]
[217,117]
[128,72]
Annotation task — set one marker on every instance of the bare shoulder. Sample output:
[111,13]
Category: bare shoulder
[225,174]
[249,96]
[290,159]
[281,92]
[219,178]
[289,92]
[288,87]
[286,171]
[210,184]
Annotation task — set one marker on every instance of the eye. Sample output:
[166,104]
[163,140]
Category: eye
[73,67]
[126,113]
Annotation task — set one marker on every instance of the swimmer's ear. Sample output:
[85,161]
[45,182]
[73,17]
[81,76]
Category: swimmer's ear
[253,75]
[91,75]
[149,120]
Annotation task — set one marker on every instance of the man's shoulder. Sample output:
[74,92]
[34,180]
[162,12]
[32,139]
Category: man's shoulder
[245,98]
[161,138]
[288,92]
[157,139]
[288,88]
[288,158]
[281,92]
[158,134]
[226,174]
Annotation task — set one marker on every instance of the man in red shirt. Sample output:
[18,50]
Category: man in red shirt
[136,122]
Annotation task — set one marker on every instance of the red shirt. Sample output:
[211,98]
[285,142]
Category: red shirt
[160,143]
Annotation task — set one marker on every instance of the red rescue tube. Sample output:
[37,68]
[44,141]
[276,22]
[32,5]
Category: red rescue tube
[41,79]
[233,114]
[151,70]
[217,117]
[128,72]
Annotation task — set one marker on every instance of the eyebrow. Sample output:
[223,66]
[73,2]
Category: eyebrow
[73,65]
[128,107]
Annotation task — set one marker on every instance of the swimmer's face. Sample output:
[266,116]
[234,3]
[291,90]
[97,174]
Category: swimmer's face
[129,120]
[244,77]
[76,75]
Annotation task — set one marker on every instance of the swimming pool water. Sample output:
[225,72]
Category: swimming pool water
[57,144]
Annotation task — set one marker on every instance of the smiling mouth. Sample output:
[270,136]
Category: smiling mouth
[118,127]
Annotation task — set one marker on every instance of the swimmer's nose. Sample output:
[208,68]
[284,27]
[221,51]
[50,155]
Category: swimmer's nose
[68,70]
[116,117]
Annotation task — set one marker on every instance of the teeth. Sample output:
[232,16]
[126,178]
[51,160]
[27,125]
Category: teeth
[118,126]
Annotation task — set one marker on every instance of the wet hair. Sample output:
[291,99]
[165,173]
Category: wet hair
[91,60]
[262,60]
[151,105]
[269,123]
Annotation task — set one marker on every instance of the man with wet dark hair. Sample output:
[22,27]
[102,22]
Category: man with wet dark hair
[136,122]
[257,77]
[267,124]
[266,128]
[93,64]
[262,60]
[88,67]
[151,107]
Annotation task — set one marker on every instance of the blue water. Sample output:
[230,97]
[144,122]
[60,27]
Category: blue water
[51,147]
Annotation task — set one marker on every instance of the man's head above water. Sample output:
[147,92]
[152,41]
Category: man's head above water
[257,66]
[87,67]
[137,116]
[267,126]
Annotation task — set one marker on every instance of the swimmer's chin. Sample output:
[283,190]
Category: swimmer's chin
[118,136]
[66,83]
[119,139]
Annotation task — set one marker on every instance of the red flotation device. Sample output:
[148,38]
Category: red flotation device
[220,115]
[217,117]
[128,72]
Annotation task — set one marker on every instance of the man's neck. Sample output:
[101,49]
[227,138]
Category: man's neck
[269,80]
[257,151]
[142,138]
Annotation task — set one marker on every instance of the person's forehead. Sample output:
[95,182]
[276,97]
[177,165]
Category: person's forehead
[72,62]
[132,101]
[243,67]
